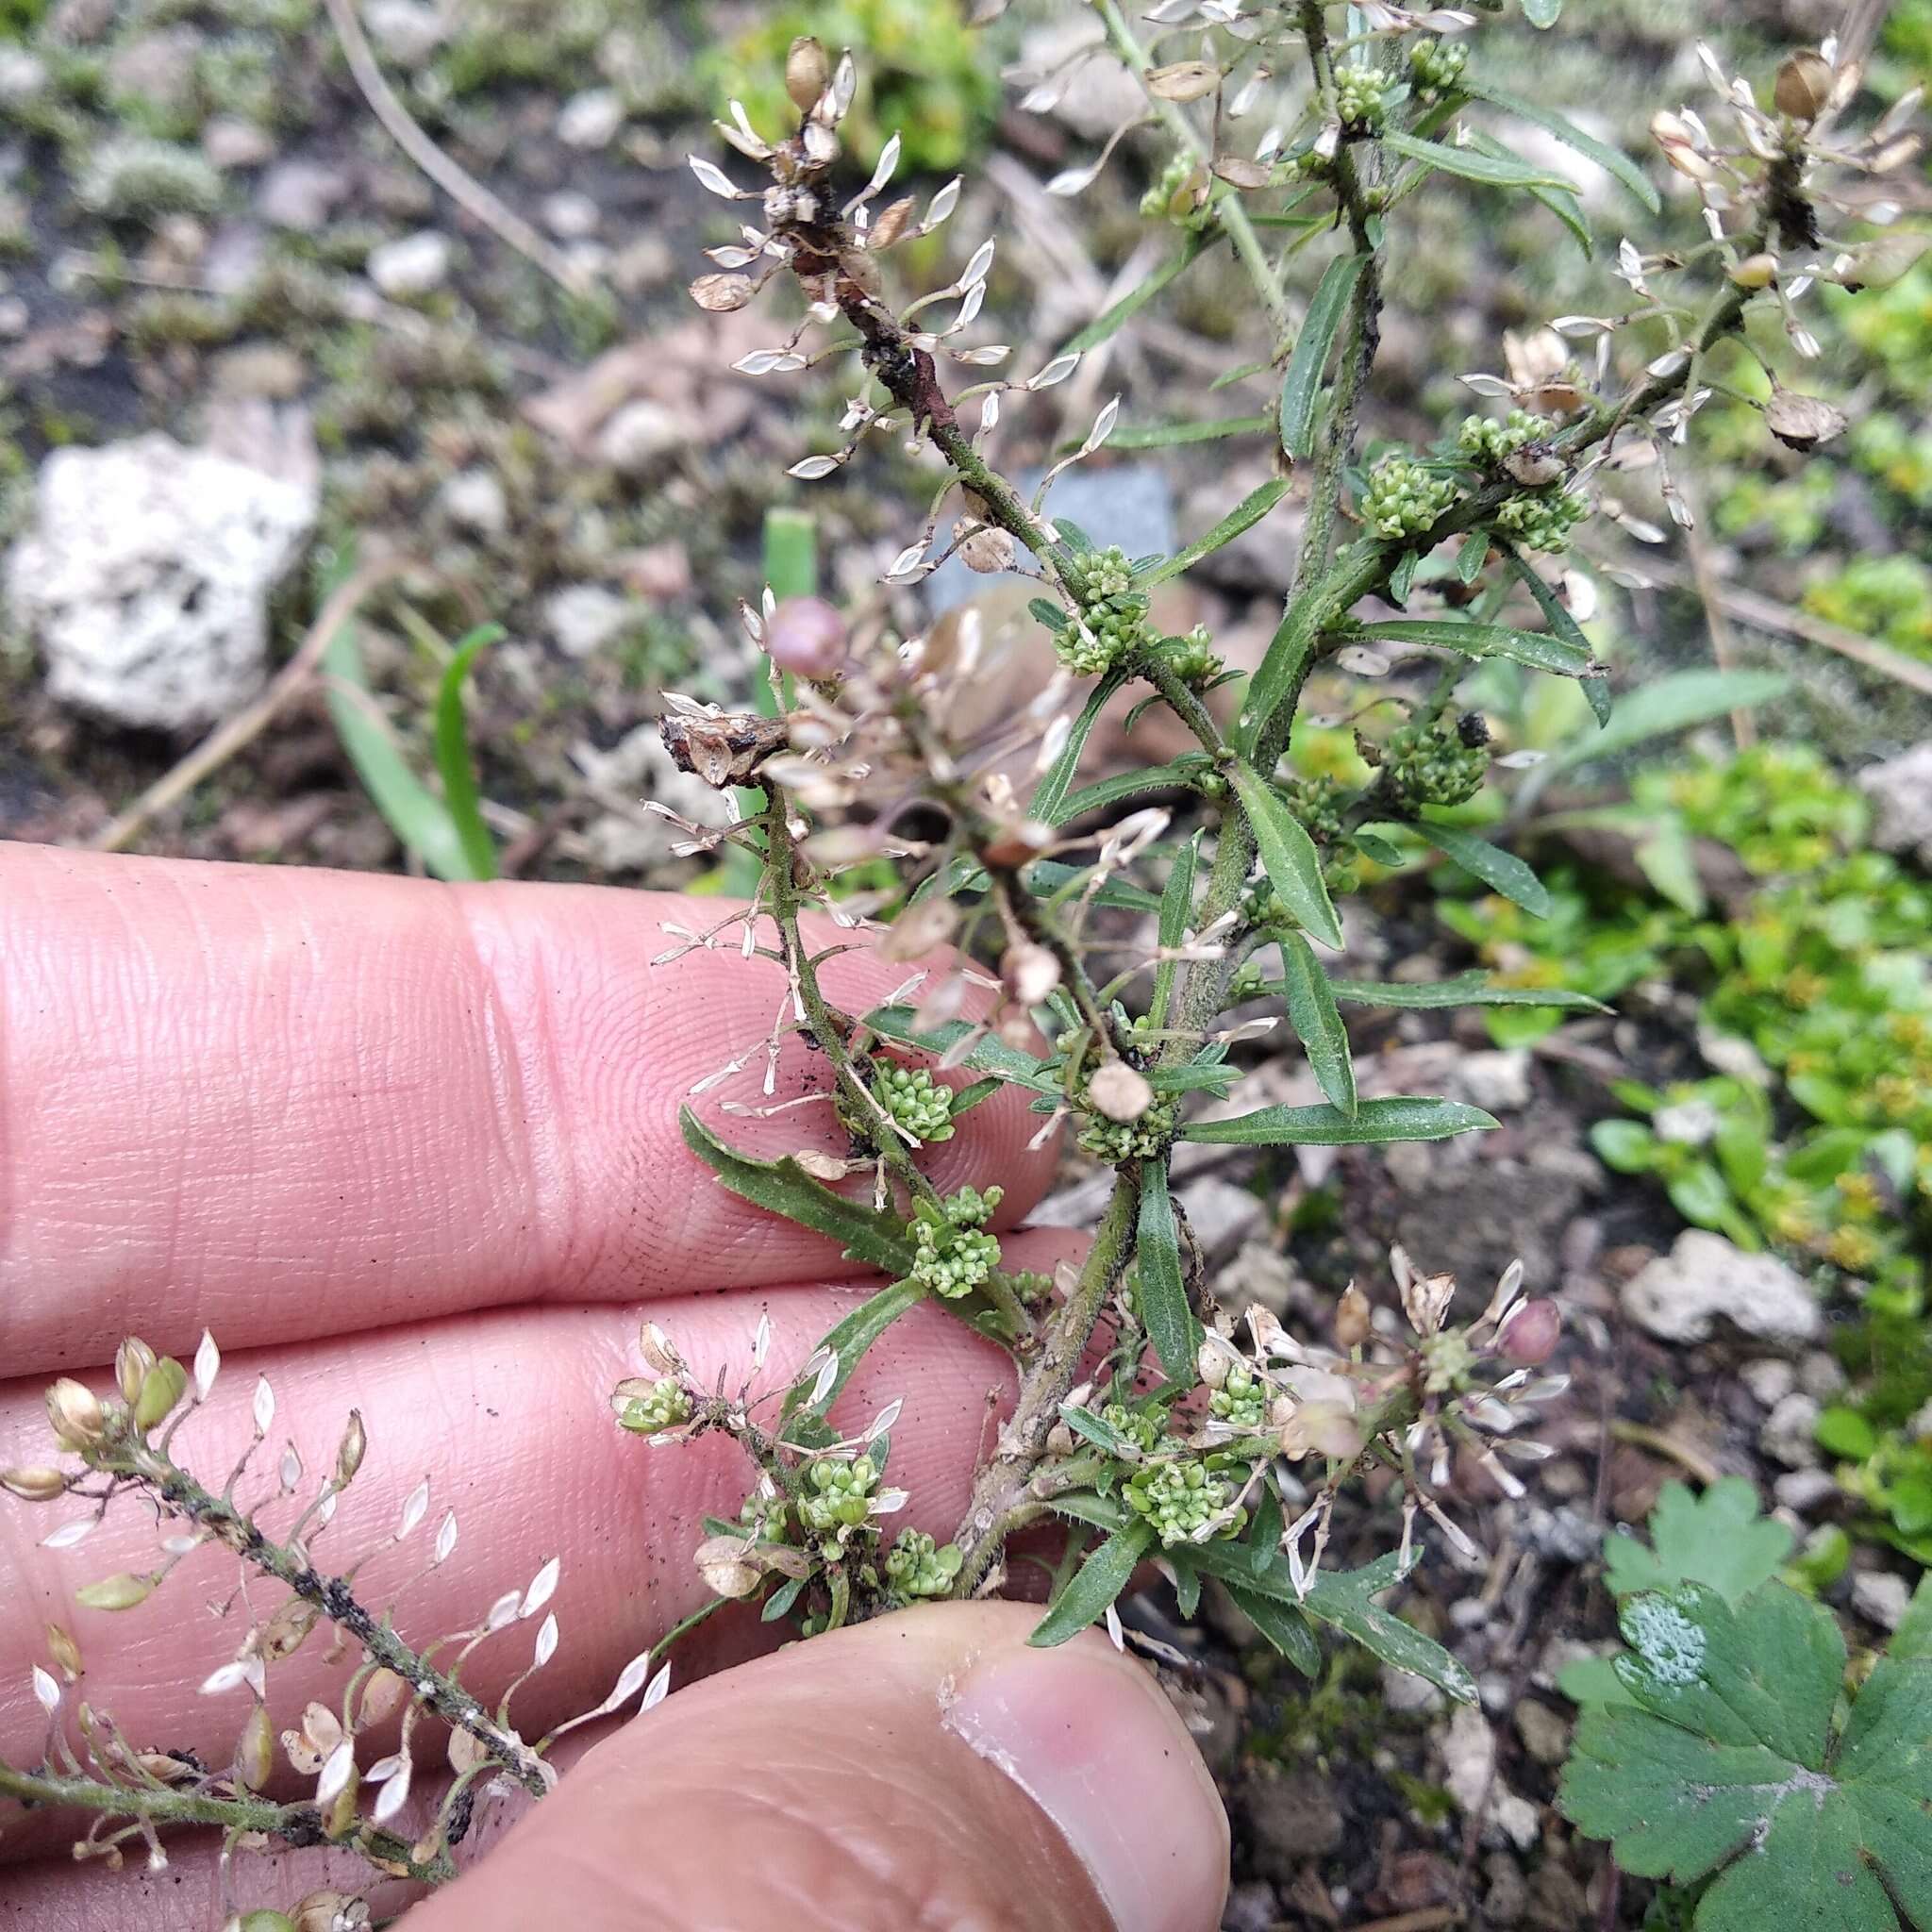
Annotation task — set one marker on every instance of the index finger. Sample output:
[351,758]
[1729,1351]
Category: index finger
[284,1103]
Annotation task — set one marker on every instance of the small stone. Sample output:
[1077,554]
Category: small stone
[1545,1735]
[1404,1691]
[23,76]
[1292,1817]
[1507,1898]
[146,577]
[156,69]
[260,368]
[1251,1907]
[407,31]
[1768,1381]
[473,500]
[591,119]
[570,216]
[1789,1432]
[583,618]
[412,266]
[229,141]
[1680,1297]
[300,195]
[14,317]
[640,434]
[1498,1082]
[1801,1491]
[1880,1597]
[1222,1214]
[647,263]
[1566,1534]
[1257,1275]
[1901,793]
[1821,1375]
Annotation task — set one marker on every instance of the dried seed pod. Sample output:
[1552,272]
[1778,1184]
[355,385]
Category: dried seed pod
[383,1695]
[349,1453]
[65,1652]
[806,72]
[132,1360]
[728,1566]
[255,1751]
[891,224]
[122,1592]
[1755,271]
[33,1485]
[988,550]
[1351,1318]
[1183,80]
[920,930]
[75,1413]
[1802,423]
[722,294]
[1802,86]
[1120,1092]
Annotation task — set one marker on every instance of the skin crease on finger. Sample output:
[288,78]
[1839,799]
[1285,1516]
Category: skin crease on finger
[283,1104]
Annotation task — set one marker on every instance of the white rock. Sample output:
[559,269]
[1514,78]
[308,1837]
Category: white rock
[591,119]
[1901,793]
[407,30]
[1801,1491]
[412,266]
[583,618]
[1469,1757]
[1768,1381]
[1496,1081]
[473,500]
[146,575]
[640,433]
[1220,1212]
[1680,1297]
[300,195]
[23,76]
[1881,1598]
[570,216]
[14,317]
[1789,1434]
[229,141]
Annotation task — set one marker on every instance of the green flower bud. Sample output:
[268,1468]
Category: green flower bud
[918,1103]
[664,1408]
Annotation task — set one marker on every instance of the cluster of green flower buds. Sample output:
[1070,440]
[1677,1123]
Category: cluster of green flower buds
[1181,1497]
[664,1406]
[1318,803]
[1358,92]
[840,1494]
[1194,659]
[1437,66]
[1174,196]
[1437,763]
[1136,1424]
[1486,441]
[1241,1400]
[915,1566]
[918,1103]
[1542,519]
[1114,1142]
[1403,498]
[767,1515]
[951,1256]
[1112,617]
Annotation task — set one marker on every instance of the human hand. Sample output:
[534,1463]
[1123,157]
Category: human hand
[393,1144]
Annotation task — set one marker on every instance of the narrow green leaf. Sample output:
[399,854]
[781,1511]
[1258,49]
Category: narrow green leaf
[1311,1011]
[1559,201]
[1058,781]
[1176,915]
[1112,320]
[1473,989]
[454,765]
[1501,872]
[1673,704]
[1087,1505]
[1345,1599]
[1106,792]
[988,1054]
[1596,687]
[1288,855]
[1538,649]
[782,1187]
[792,553]
[1098,1581]
[1170,1325]
[781,1600]
[1281,1624]
[1612,161]
[1472,556]
[1169,435]
[1375,1121]
[1050,614]
[1103,1436]
[1244,516]
[1496,171]
[1320,327]
[1211,1076]
[408,808]
[849,1338]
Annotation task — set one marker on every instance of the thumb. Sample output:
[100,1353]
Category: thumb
[927,1769]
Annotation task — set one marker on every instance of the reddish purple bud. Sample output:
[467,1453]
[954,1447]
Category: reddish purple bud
[1530,1335]
[807,636]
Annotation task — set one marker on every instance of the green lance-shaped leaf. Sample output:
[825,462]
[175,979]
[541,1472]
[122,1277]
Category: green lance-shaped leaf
[1097,1582]
[1400,1117]
[1177,914]
[1287,856]
[1312,1013]
[988,1054]
[455,764]
[1050,793]
[1471,989]
[1112,320]
[1496,171]
[782,1187]
[1345,1599]
[1244,516]
[1170,435]
[1596,686]
[1282,1625]
[1610,159]
[1123,785]
[1302,385]
[1170,1323]
[1673,704]
[1540,650]
[848,1342]
[1501,872]
[1559,201]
